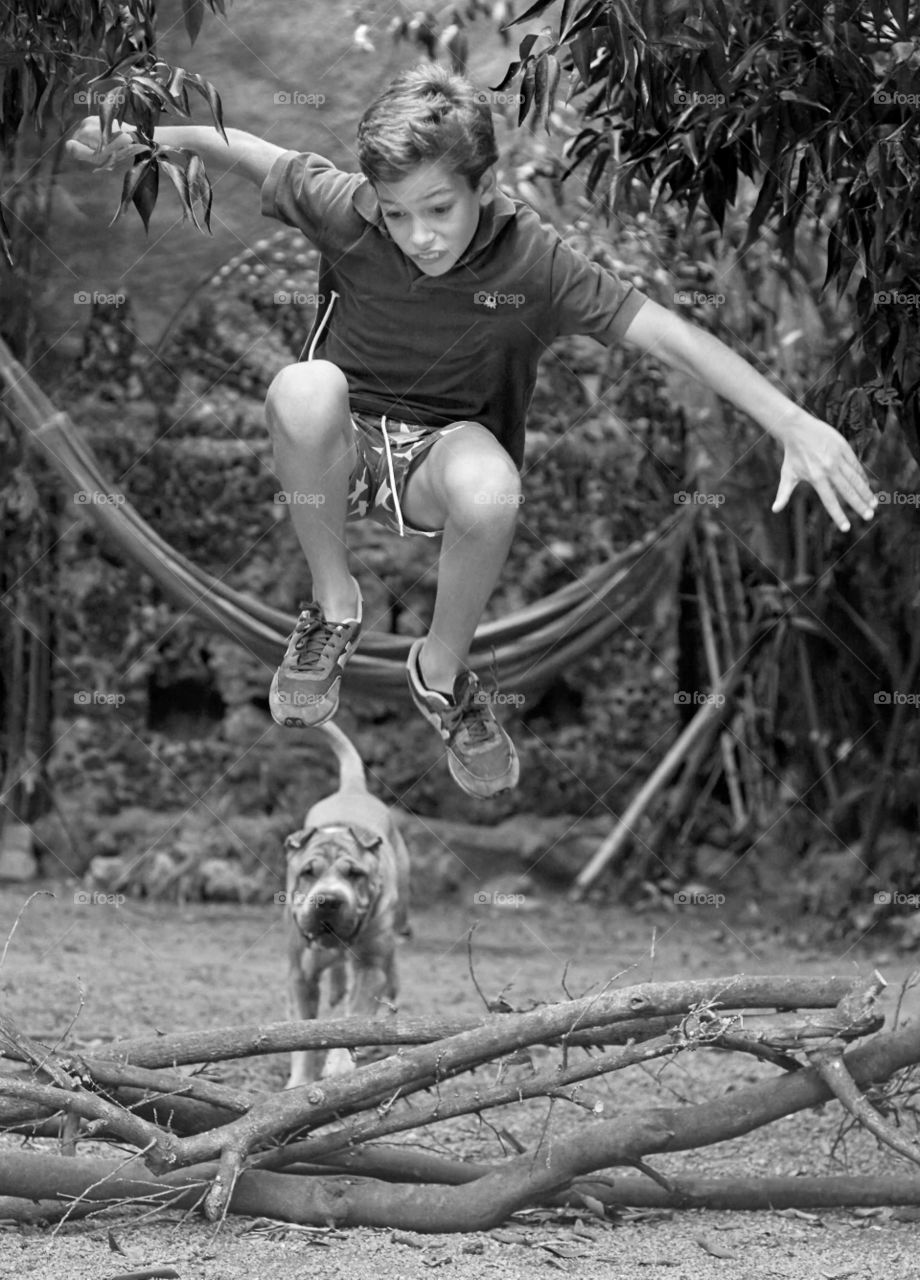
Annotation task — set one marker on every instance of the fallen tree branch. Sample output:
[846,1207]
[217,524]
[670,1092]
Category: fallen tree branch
[223,1043]
[832,1069]
[157,1143]
[313,1105]
[837,1191]
[17,1045]
[463,1101]
[486,1201]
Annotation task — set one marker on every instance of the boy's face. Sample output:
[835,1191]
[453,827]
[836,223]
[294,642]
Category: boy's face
[432,214]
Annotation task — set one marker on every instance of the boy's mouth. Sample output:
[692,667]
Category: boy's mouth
[431,256]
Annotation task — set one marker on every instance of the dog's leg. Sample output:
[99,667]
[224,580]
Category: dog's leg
[373,993]
[303,993]
[339,1061]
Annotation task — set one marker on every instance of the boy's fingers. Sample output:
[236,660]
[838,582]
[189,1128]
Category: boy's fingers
[832,505]
[784,492]
[859,496]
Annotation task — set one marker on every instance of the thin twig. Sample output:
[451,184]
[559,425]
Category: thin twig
[38,893]
[832,1069]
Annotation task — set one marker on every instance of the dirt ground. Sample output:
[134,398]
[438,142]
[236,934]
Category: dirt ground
[140,966]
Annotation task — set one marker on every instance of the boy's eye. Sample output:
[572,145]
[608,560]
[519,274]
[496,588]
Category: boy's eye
[390,214]
[441,209]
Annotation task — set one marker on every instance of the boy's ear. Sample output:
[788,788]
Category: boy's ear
[486,186]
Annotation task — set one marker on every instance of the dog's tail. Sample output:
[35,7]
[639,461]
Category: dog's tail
[351,766]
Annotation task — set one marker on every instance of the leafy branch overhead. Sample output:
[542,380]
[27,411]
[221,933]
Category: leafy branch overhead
[807,112]
[140,98]
[57,57]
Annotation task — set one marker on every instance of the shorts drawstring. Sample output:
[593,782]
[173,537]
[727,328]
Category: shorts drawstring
[396,507]
[319,329]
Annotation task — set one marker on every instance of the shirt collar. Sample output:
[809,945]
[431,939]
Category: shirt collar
[492,218]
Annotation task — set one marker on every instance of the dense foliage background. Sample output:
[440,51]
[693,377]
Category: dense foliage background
[712,153]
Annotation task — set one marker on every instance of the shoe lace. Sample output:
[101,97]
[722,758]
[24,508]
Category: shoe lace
[471,714]
[313,634]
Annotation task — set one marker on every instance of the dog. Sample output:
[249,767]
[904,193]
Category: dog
[346,903]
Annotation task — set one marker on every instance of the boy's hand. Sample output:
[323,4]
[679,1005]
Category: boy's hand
[86,145]
[815,452]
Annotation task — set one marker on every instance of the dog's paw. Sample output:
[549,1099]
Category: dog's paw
[296,1081]
[338,1063]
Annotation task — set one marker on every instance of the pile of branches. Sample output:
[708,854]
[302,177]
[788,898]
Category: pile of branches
[312,1155]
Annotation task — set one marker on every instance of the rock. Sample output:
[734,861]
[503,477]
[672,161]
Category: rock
[17,858]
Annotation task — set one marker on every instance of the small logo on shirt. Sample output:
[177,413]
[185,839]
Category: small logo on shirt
[495,300]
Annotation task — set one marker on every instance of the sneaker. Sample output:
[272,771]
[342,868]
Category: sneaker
[305,690]
[480,755]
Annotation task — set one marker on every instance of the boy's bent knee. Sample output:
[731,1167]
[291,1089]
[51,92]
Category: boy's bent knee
[481,483]
[306,393]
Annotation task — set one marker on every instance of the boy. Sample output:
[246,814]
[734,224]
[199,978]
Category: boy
[440,295]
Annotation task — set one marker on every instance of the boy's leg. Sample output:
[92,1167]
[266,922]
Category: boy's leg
[307,413]
[467,485]
[308,416]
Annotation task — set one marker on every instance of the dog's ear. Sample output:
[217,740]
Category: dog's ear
[297,840]
[368,841]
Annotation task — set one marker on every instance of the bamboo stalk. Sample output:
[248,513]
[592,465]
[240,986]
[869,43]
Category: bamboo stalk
[703,723]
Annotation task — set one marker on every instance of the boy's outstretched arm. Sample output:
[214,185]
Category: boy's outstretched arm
[243,153]
[813,450]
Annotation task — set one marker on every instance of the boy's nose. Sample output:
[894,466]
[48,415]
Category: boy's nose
[421,235]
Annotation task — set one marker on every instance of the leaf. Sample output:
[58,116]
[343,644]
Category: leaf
[532,12]
[582,51]
[593,1205]
[199,191]
[212,97]
[153,87]
[708,1245]
[114,1246]
[540,82]
[144,195]
[6,240]
[112,104]
[762,207]
[527,91]
[193,13]
[178,176]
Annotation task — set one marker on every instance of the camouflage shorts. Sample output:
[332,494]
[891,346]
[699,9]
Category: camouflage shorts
[371,485]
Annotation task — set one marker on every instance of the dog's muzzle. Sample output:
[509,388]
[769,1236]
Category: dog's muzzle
[326,916]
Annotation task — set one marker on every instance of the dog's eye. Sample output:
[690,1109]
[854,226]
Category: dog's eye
[354,872]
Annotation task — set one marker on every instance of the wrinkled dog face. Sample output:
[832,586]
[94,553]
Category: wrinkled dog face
[331,883]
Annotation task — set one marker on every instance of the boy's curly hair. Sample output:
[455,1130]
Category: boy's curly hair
[427,114]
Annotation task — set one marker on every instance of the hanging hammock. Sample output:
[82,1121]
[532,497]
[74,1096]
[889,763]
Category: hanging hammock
[525,649]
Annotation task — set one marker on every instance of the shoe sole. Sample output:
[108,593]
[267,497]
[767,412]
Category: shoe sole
[481,788]
[288,718]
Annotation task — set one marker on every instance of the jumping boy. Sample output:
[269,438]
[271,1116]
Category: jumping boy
[443,293]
